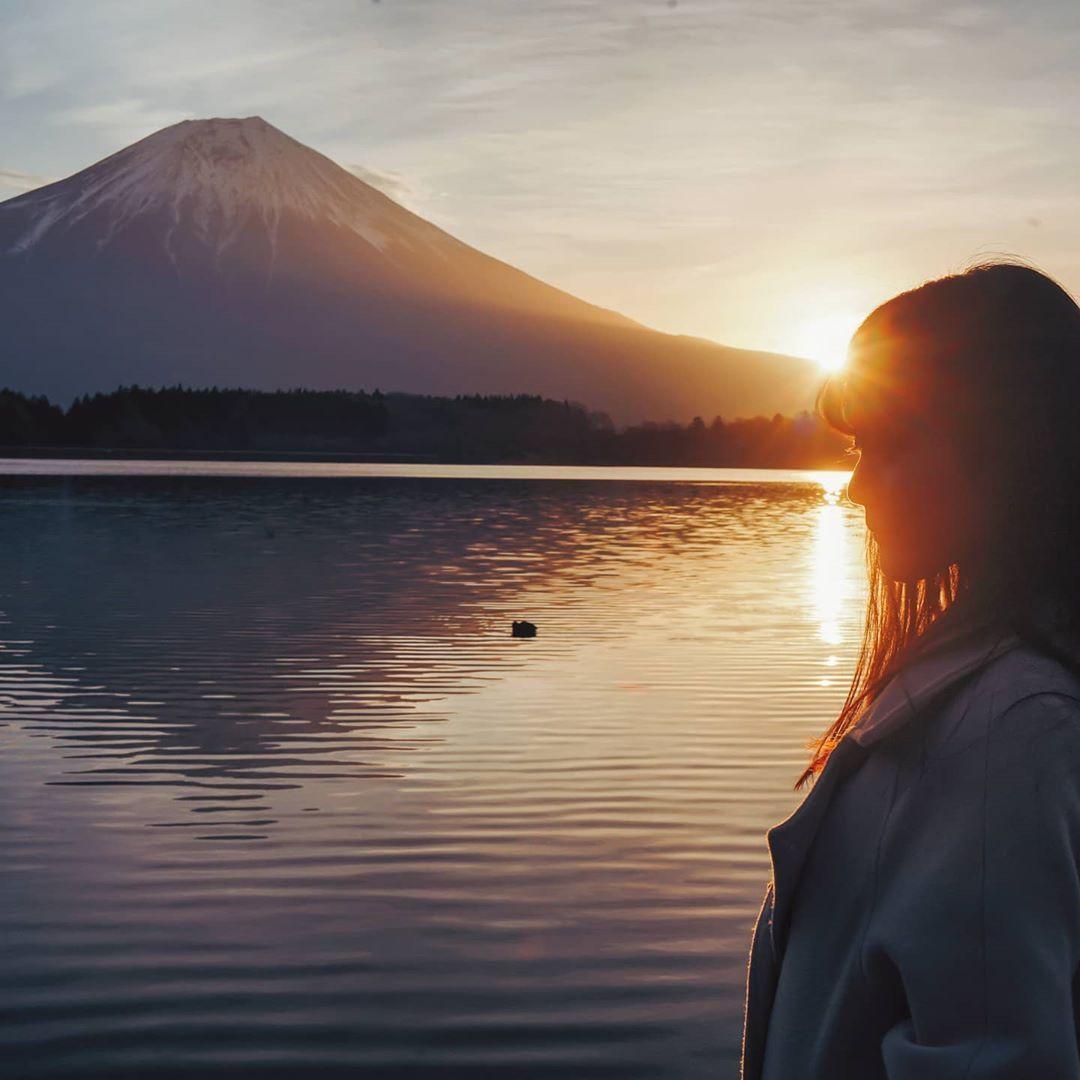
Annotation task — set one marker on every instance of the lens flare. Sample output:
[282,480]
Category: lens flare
[824,339]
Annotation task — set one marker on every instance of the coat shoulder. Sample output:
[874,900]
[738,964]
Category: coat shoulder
[1025,672]
[1012,687]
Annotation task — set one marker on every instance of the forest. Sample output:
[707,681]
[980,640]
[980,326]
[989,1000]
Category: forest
[376,426]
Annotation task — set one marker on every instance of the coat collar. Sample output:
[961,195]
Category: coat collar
[950,650]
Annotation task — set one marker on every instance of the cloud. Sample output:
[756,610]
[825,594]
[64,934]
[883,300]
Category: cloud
[613,147]
[120,121]
[389,183]
[15,182]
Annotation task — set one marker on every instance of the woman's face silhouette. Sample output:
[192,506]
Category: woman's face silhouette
[916,494]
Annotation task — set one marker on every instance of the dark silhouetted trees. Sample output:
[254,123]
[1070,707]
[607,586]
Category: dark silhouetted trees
[466,428]
[178,418]
[29,421]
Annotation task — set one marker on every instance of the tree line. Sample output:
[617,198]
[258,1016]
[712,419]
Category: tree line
[478,428]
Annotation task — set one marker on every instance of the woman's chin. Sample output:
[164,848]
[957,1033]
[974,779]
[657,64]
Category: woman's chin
[902,567]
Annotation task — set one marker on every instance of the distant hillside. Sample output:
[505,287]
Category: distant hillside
[468,428]
[223,251]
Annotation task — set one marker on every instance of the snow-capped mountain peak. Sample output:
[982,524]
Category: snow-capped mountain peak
[216,177]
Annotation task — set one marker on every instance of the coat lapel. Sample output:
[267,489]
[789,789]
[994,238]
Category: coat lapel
[789,842]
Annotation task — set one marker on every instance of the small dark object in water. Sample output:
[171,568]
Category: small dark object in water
[522,628]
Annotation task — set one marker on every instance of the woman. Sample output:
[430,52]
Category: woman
[923,917]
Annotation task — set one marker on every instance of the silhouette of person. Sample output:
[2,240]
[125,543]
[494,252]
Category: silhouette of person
[923,915]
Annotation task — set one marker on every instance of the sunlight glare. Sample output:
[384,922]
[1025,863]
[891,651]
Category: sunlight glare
[833,482]
[832,563]
[825,339]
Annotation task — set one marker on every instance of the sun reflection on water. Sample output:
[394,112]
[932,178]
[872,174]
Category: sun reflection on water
[831,565]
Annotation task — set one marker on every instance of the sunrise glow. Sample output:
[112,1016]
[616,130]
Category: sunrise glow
[824,339]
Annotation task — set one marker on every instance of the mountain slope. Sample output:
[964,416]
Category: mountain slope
[224,252]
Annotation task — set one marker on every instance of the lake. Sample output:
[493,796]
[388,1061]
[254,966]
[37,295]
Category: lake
[282,797]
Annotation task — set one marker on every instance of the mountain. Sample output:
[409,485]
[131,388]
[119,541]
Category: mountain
[223,252]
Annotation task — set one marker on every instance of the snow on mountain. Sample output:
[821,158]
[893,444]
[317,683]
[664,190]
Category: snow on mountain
[214,177]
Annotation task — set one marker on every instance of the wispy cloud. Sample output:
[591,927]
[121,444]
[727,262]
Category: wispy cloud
[695,165]
[393,184]
[124,119]
[14,182]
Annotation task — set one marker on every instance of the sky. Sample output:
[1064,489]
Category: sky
[759,173]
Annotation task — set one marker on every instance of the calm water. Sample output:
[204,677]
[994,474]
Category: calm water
[280,796]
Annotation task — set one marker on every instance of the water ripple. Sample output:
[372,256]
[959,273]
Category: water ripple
[281,796]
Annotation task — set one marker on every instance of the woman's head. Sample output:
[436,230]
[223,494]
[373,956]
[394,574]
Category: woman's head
[963,399]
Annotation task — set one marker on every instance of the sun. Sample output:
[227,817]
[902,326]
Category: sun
[824,339]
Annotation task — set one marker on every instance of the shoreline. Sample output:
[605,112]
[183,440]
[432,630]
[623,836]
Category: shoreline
[345,457]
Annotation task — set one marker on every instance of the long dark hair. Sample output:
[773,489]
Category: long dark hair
[991,358]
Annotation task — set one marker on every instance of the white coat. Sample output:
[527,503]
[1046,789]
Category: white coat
[923,917]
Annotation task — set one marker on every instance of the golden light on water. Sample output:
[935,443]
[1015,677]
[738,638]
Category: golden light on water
[831,566]
[832,484]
